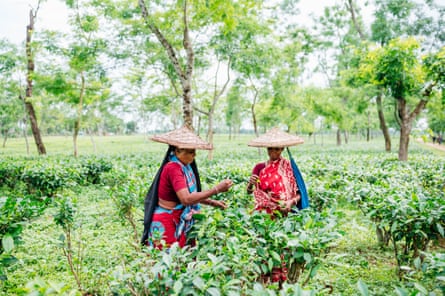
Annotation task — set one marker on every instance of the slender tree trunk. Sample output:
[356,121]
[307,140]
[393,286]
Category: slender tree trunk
[5,138]
[77,123]
[92,140]
[252,110]
[338,137]
[216,96]
[351,7]
[382,121]
[29,87]
[210,135]
[184,75]
[368,128]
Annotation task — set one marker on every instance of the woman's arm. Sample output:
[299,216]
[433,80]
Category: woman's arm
[214,203]
[187,198]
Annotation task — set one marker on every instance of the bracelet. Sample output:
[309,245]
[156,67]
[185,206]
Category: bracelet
[216,190]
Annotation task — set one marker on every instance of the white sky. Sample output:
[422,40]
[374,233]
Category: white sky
[14,15]
[52,14]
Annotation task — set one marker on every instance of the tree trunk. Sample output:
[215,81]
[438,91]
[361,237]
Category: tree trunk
[77,123]
[406,123]
[5,139]
[216,96]
[338,137]
[184,75]
[252,110]
[382,121]
[210,135]
[357,26]
[29,80]
[92,140]
[368,128]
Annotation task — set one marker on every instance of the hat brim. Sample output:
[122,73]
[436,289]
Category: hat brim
[182,138]
[276,138]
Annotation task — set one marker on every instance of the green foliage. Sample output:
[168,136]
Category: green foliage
[412,212]
[434,65]
[44,181]
[65,214]
[235,246]
[398,68]
[15,213]
[93,168]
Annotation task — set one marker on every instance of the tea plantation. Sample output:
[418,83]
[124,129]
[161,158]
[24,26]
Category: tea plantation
[71,226]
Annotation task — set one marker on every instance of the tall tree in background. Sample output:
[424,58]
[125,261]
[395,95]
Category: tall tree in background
[185,73]
[359,27]
[27,98]
[233,111]
[176,36]
[395,18]
[212,100]
[399,70]
[11,110]
[80,81]
[253,61]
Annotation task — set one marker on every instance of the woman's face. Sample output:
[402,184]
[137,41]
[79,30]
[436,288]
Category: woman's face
[274,152]
[186,156]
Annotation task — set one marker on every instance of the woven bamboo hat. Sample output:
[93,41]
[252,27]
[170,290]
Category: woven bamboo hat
[276,138]
[183,138]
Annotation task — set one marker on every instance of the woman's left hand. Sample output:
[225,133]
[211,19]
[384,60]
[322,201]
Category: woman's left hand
[288,204]
[218,204]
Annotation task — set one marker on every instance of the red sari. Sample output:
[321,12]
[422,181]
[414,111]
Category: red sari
[276,183]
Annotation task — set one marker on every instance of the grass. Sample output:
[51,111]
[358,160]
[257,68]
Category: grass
[129,144]
[357,256]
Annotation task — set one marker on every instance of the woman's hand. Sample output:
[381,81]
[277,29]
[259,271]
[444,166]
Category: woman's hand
[223,186]
[251,185]
[288,204]
[253,180]
[218,204]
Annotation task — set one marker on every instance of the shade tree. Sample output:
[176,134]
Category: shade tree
[397,68]
[81,79]
[11,109]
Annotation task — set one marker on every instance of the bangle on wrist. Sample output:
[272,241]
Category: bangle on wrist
[216,190]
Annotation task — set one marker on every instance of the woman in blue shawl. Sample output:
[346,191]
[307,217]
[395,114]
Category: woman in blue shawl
[175,194]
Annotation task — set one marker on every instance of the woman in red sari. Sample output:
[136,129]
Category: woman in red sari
[175,194]
[273,183]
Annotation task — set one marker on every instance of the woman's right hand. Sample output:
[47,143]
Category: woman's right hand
[251,185]
[224,185]
[253,180]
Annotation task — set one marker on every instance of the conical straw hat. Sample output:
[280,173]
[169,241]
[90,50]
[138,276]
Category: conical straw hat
[276,138]
[183,138]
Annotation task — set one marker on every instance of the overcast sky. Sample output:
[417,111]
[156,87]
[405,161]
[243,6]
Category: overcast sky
[14,15]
